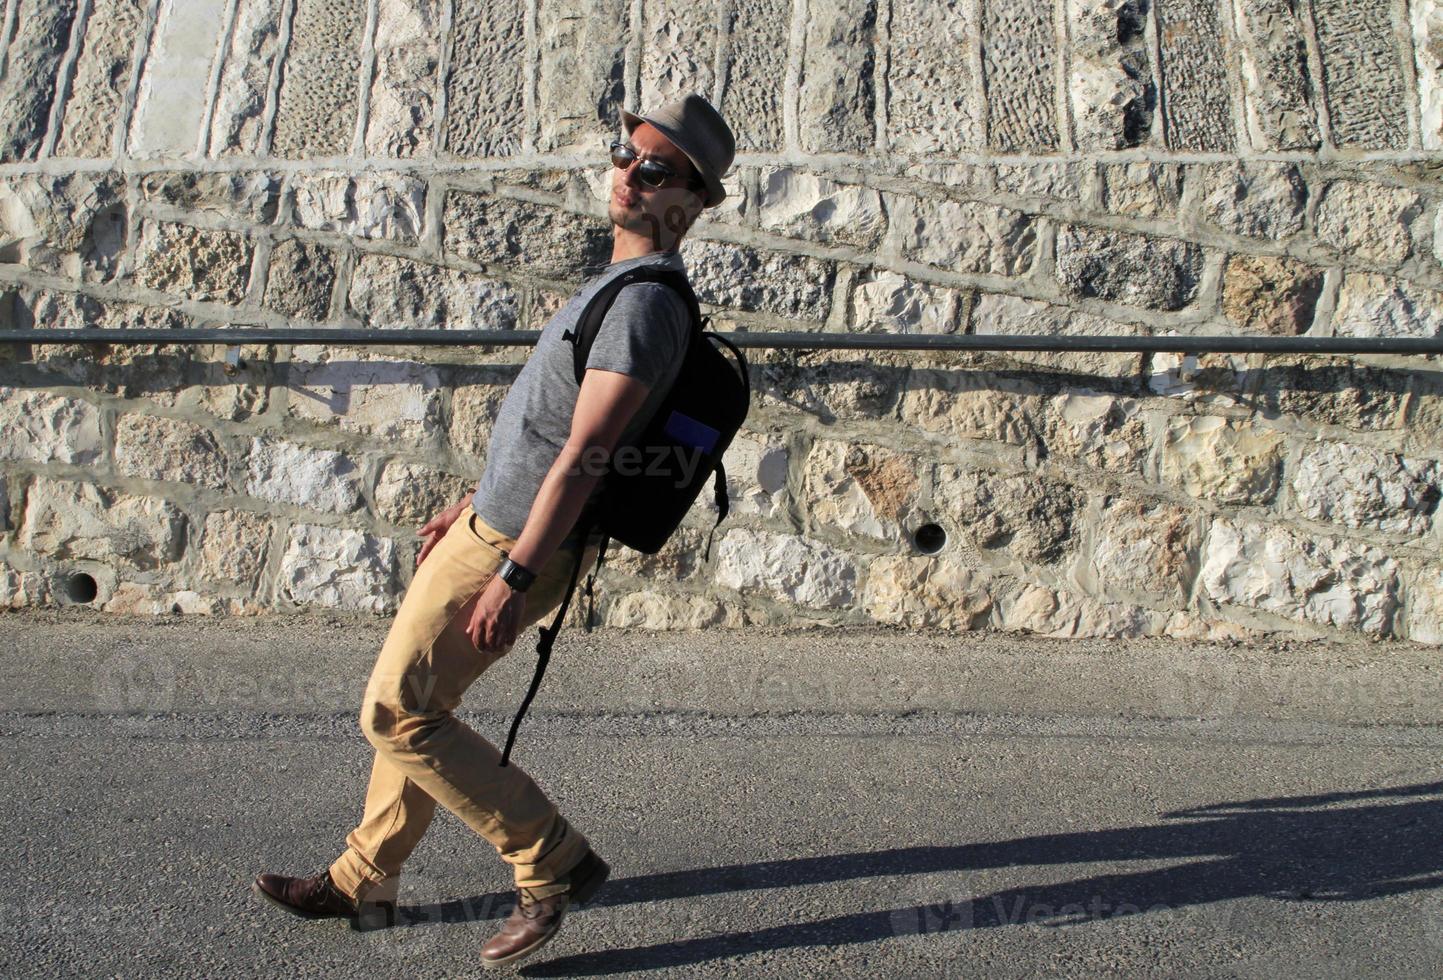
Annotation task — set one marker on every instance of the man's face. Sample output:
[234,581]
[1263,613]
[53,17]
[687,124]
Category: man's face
[664,212]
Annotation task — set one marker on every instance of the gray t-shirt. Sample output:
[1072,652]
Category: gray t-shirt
[644,335]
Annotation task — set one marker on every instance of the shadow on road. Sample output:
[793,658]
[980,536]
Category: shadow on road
[1342,847]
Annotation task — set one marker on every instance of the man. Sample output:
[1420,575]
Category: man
[500,559]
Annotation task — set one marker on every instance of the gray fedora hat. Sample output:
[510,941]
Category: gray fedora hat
[699,131]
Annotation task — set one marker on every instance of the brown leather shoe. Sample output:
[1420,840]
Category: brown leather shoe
[318,898]
[535,920]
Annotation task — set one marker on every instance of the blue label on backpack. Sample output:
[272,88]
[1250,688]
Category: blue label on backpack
[689,432]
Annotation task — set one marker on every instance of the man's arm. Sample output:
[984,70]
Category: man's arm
[606,403]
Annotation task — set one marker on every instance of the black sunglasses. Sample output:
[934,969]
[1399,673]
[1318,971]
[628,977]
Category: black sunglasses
[653,173]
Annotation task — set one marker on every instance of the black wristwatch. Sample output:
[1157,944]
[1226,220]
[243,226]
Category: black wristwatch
[517,576]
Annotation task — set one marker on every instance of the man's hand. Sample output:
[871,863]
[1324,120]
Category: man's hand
[495,615]
[435,529]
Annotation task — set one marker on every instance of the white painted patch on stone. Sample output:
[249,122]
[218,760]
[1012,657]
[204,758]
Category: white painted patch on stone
[338,568]
[318,479]
[1344,584]
[786,567]
[170,108]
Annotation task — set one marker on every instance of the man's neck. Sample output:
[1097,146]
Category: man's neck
[630,245]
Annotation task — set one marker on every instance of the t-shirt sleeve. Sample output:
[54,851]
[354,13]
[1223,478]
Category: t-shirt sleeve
[644,333]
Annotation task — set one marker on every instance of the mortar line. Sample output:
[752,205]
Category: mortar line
[1403,44]
[140,56]
[980,6]
[1233,54]
[1062,34]
[212,86]
[1314,48]
[632,59]
[721,50]
[443,87]
[63,78]
[977,94]
[881,72]
[531,91]
[792,81]
[266,137]
[365,78]
[7,30]
[1152,37]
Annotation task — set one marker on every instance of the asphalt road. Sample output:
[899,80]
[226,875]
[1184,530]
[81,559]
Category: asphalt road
[773,803]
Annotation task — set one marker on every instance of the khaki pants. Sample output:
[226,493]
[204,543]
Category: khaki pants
[424,754]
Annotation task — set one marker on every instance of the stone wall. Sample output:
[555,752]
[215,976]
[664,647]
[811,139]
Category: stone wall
[1063,167]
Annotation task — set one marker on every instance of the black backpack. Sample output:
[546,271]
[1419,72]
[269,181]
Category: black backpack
[683,442]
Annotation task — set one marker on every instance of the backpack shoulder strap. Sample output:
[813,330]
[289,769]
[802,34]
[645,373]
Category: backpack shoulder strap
[588,324]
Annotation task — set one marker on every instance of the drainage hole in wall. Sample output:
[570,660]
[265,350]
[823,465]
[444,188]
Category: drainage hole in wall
[929,538]
[81,588]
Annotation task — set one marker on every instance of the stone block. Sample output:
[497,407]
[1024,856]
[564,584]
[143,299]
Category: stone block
[170,106]
[317,479]
[473,413]
[830,385]
[403,88]
[1378,306]
[21,590]
[919,593]
[233,547]
[787,567]
[1142,190]
[891,303]
[485,112]
[1427,16]
[1063,615]
[158,448]
[678,50]
[997,313]
[1025,517]
[933,94]
[1271,294]
[1197,105]
[543,240]
[1142,548]
[32,63]
[755,280]
[1110,74]
[395,293]
[838,97]
[70,225]
[40,427]
[650,610]
[194,263]
[1222,460]
[804,205]
[756,471]
[1343,584]
[319,99]
[1362,74]
[1333,391]
[1096,430]
[392,401]
[965,236]
[300,280]
[377,206]
[251,197]
[1425,608]
[1280,108]
[408,495]
[338,568]
[1019,61]
[102,76]
[245,81]
[1055,181]
[859,489]
[971,406]
[676,560]
[1154,273]
[1360,487]
[65,520]
[581,52]
[1255,200]
[1367,220]
[756,67]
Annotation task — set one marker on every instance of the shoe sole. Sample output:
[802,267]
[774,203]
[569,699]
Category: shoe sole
[581,896]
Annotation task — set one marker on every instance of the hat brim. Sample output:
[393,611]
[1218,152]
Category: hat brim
[715,192]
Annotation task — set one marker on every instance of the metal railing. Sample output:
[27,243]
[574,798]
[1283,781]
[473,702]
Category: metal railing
[798,340]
